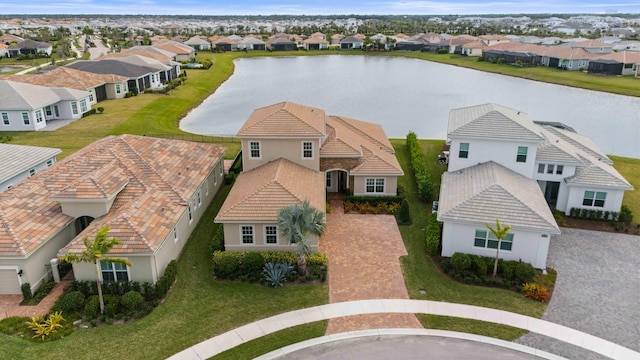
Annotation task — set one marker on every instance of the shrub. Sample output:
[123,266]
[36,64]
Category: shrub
[131,301]
[100,109]
[433,235]
[524,272]
[148,291]
[625,216]
[460,262]
[92,308]
[43,291]
[70,302]
[27,295]
[43,328]
[479,266]
[419,166]
[252,265]
[14,325]
[217,241]
[536,292]
[225,266]
[404,214]
[508,269]
[276,273]
[111,305]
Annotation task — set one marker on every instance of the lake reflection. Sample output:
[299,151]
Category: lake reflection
[408,94]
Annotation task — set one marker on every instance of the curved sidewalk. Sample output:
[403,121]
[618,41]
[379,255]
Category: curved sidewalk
[233,338]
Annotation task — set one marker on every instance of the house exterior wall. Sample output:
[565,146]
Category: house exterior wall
[527,246]
[113,94]
[25,174]
[575,197]
[233,240]
[16,122]
[501,152]
[390,185]
[273,149]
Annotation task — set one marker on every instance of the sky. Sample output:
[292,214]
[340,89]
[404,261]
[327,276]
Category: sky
[314,7]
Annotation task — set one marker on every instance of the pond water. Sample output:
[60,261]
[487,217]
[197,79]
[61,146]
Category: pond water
[6,68]
[410,95]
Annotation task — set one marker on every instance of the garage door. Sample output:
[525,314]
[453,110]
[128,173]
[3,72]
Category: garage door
[9,282]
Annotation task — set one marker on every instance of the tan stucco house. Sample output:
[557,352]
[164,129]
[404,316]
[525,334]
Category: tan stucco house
[150,192]
[293,152]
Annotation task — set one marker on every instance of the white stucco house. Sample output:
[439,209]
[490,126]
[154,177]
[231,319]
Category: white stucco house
[503,165]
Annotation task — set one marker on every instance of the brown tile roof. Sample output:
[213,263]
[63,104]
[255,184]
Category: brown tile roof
[62,76]
[161,176]
[625,57]
[285,119]
[175,47]
[260,193]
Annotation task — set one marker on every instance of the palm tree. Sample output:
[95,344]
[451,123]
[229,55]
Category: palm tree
[500,232]
[297,223]
[95,252]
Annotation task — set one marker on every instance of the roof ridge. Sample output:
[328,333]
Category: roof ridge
[363,134]
[10,231]
[513,196]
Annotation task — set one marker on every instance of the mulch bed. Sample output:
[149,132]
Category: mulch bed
[597,226]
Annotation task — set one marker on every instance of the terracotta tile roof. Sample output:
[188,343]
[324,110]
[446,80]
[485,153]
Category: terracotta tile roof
[285,119]
[625,57]
[260,193]
[475,45]
[161,176]
[175,47]
[61,76]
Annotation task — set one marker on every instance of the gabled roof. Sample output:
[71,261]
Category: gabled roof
[315,40]
[161,176]
[16,159]
[578,142]
[175,47]
[251,40]
[351,39]
[196,40]
[595,173]
[285,119]
[62,76]
[259,194]
[492,121]
[30,44]
[21,96]
[590,44]
[484,192]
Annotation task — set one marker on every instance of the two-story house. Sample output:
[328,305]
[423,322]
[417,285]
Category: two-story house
[503,165]
[292,152]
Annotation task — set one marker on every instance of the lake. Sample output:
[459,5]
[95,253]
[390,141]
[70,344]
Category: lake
[7,68]
[410,95]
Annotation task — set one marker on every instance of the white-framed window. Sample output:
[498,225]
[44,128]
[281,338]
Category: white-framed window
[522,154]
[254,150]
[464,151]
[206,187]
[271,234]
[38,116]
[374,185]
[74,108]
[32,171]
[307,150]
[49,162]
[47,110]
[5,119]
[114,271]
[25,118]
[541,168]
[189,211]
[559,169]
[175,234]
[153,78]
[594,198]
[550,168]
[91,97]
[486,239]
[83,106]
[328,179]
[199,197]
[246,234]
[118,89]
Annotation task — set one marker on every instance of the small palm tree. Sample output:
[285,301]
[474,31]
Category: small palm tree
[500,232]
[297,223]
[95,252]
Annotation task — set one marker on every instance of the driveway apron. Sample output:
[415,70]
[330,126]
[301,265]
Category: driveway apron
[363,257]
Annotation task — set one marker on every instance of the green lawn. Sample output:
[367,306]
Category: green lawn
[630,169]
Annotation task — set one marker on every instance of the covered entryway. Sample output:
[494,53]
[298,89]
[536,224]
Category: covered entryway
[336,180]
[9,281]
[550,190]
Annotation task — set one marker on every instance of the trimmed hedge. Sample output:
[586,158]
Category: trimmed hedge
[420,169]
[434,235]
[476,269]
[244,265]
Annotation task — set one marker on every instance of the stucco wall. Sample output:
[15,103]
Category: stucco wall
[272,149]
[25,174]
[16,122]
[527,246]
[390,185]
[613,202]
[501,152]
[233,240]
[111,90]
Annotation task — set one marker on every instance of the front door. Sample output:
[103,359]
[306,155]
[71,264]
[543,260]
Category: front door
[56,111]
[551,192]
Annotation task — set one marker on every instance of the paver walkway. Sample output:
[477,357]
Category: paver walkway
[10,304]
[363,253]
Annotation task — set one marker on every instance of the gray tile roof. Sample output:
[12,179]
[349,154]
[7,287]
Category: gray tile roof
[484,192]
[492,121]
[70,94]
[22,96]
[597,173]
[581,143]
[112,66]
[16,159]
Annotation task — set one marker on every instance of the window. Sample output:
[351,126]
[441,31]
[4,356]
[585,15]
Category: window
[25,118]
[74,108]
[247,234]
[254,150]
[5,119]
[32,172]
[271,234]
[153,78]
[114,271]
[541,168]
[374,186]
[486,239]
[206,187]
[47,110]
[594,198]
[464,151]
[91,97]
[328,180]
[190,213]
[118,89]
[38,116]
[550,169]
[559,169]
[215,177]
[522,154]
[49,162]
[199,198]
[175,234]
[83,106]
[307,150]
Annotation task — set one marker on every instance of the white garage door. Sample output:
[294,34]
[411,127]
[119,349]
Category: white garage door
[9,283]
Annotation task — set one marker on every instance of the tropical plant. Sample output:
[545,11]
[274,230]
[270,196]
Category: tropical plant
[298,222]
[43,328]
[95,252]
[276,273]
[500,232]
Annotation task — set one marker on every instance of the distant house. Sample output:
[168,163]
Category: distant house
[407,45]
[351,43]
[150,192]
[492,40]
[315,43]
[279,44]
[251,43]
[26,107]
[630,61]
[183,52]
[20,162]
[223,43]
[592,46]
[198,43]
[504,165]
[474,48]
[140,75]
[3,50]
[30,47]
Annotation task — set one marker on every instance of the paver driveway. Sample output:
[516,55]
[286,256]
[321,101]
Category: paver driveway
[597,290]
[363,253]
